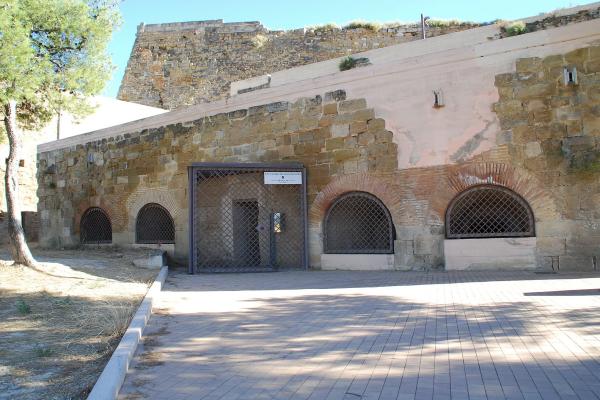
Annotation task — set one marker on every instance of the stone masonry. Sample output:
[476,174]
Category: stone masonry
[331,136]
[546,151]
[552,131]
[179,64]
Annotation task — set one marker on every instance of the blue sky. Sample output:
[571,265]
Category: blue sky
[281,14]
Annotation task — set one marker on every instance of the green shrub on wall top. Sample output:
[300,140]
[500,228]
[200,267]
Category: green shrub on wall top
[351,62]
[370,26]
[515,28]
[347,63]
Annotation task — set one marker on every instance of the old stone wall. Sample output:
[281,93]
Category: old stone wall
[552,131]
[331,136]
[546,149]
[173,65]
[27,185]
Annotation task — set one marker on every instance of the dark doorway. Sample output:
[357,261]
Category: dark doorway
[245,233]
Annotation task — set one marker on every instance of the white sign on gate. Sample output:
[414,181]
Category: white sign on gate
[283,178]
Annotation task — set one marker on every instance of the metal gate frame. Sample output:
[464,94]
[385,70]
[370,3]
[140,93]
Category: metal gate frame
[194,168]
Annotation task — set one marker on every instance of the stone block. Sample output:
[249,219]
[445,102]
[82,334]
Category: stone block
[350,167]
[384,136]
[376,124]
[574,127]
[577,57]
[533,149]
[575,263]
[551,246]
[536,90]
[330,108]
[360,262]
[358,127]
[366,139]
[340,130]
[335,143]
[504,79]
[352,105]
[345,154]
[425,245]
[486,254]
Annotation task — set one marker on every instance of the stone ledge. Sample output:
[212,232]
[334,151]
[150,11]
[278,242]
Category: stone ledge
[489,254]
[357,262]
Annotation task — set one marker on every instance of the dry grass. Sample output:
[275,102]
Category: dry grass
[78,309]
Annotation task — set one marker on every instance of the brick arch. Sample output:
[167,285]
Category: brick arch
[378,186]
[462,177]
[161,196]
[110,205]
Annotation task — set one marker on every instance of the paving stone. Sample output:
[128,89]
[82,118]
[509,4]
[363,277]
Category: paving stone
[372,335]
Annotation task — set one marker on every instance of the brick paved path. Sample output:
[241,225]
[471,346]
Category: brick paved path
[372,335]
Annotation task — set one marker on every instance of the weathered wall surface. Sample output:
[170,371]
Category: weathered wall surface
[27,184]
[174,65]
[438,151]
[27,176]
[178,64]
[552,130]
[546,150]
[331,138]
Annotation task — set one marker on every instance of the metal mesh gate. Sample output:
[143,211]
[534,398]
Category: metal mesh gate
[489,211]
[154,225]
[95,227]
[240,224]
[358,223]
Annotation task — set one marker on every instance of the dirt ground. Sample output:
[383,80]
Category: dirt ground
[59,327]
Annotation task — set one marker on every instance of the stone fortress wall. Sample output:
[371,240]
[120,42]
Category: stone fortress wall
[179,64]
[546,150]
[509,119]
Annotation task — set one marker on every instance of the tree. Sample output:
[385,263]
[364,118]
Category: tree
[53,56]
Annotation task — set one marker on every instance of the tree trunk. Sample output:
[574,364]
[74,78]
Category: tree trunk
[18,246]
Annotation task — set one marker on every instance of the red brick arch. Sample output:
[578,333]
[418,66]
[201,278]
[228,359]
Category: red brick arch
[379,186]
[112,205]
[462,177]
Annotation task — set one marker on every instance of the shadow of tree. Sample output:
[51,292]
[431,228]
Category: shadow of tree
[357,346]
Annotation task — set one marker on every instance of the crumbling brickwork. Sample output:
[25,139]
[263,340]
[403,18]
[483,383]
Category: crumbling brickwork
[174,65]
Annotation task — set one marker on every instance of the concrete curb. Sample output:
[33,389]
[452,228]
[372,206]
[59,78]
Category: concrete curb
[109,383]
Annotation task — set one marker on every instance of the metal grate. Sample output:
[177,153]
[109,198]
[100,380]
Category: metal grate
[95,226]
[358,222]
[154,225]
[238,220]
[489,211]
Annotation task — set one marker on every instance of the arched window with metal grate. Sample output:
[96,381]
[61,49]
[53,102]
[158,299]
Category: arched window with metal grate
[95,226]
[487,211]
[358,223]
[154,225]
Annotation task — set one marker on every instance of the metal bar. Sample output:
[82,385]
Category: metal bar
[305,217]
[227,245]
[191,190]
[217,165]
[489,211]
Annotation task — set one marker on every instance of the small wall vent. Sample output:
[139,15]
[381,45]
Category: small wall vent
[570,75]
[438,98]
